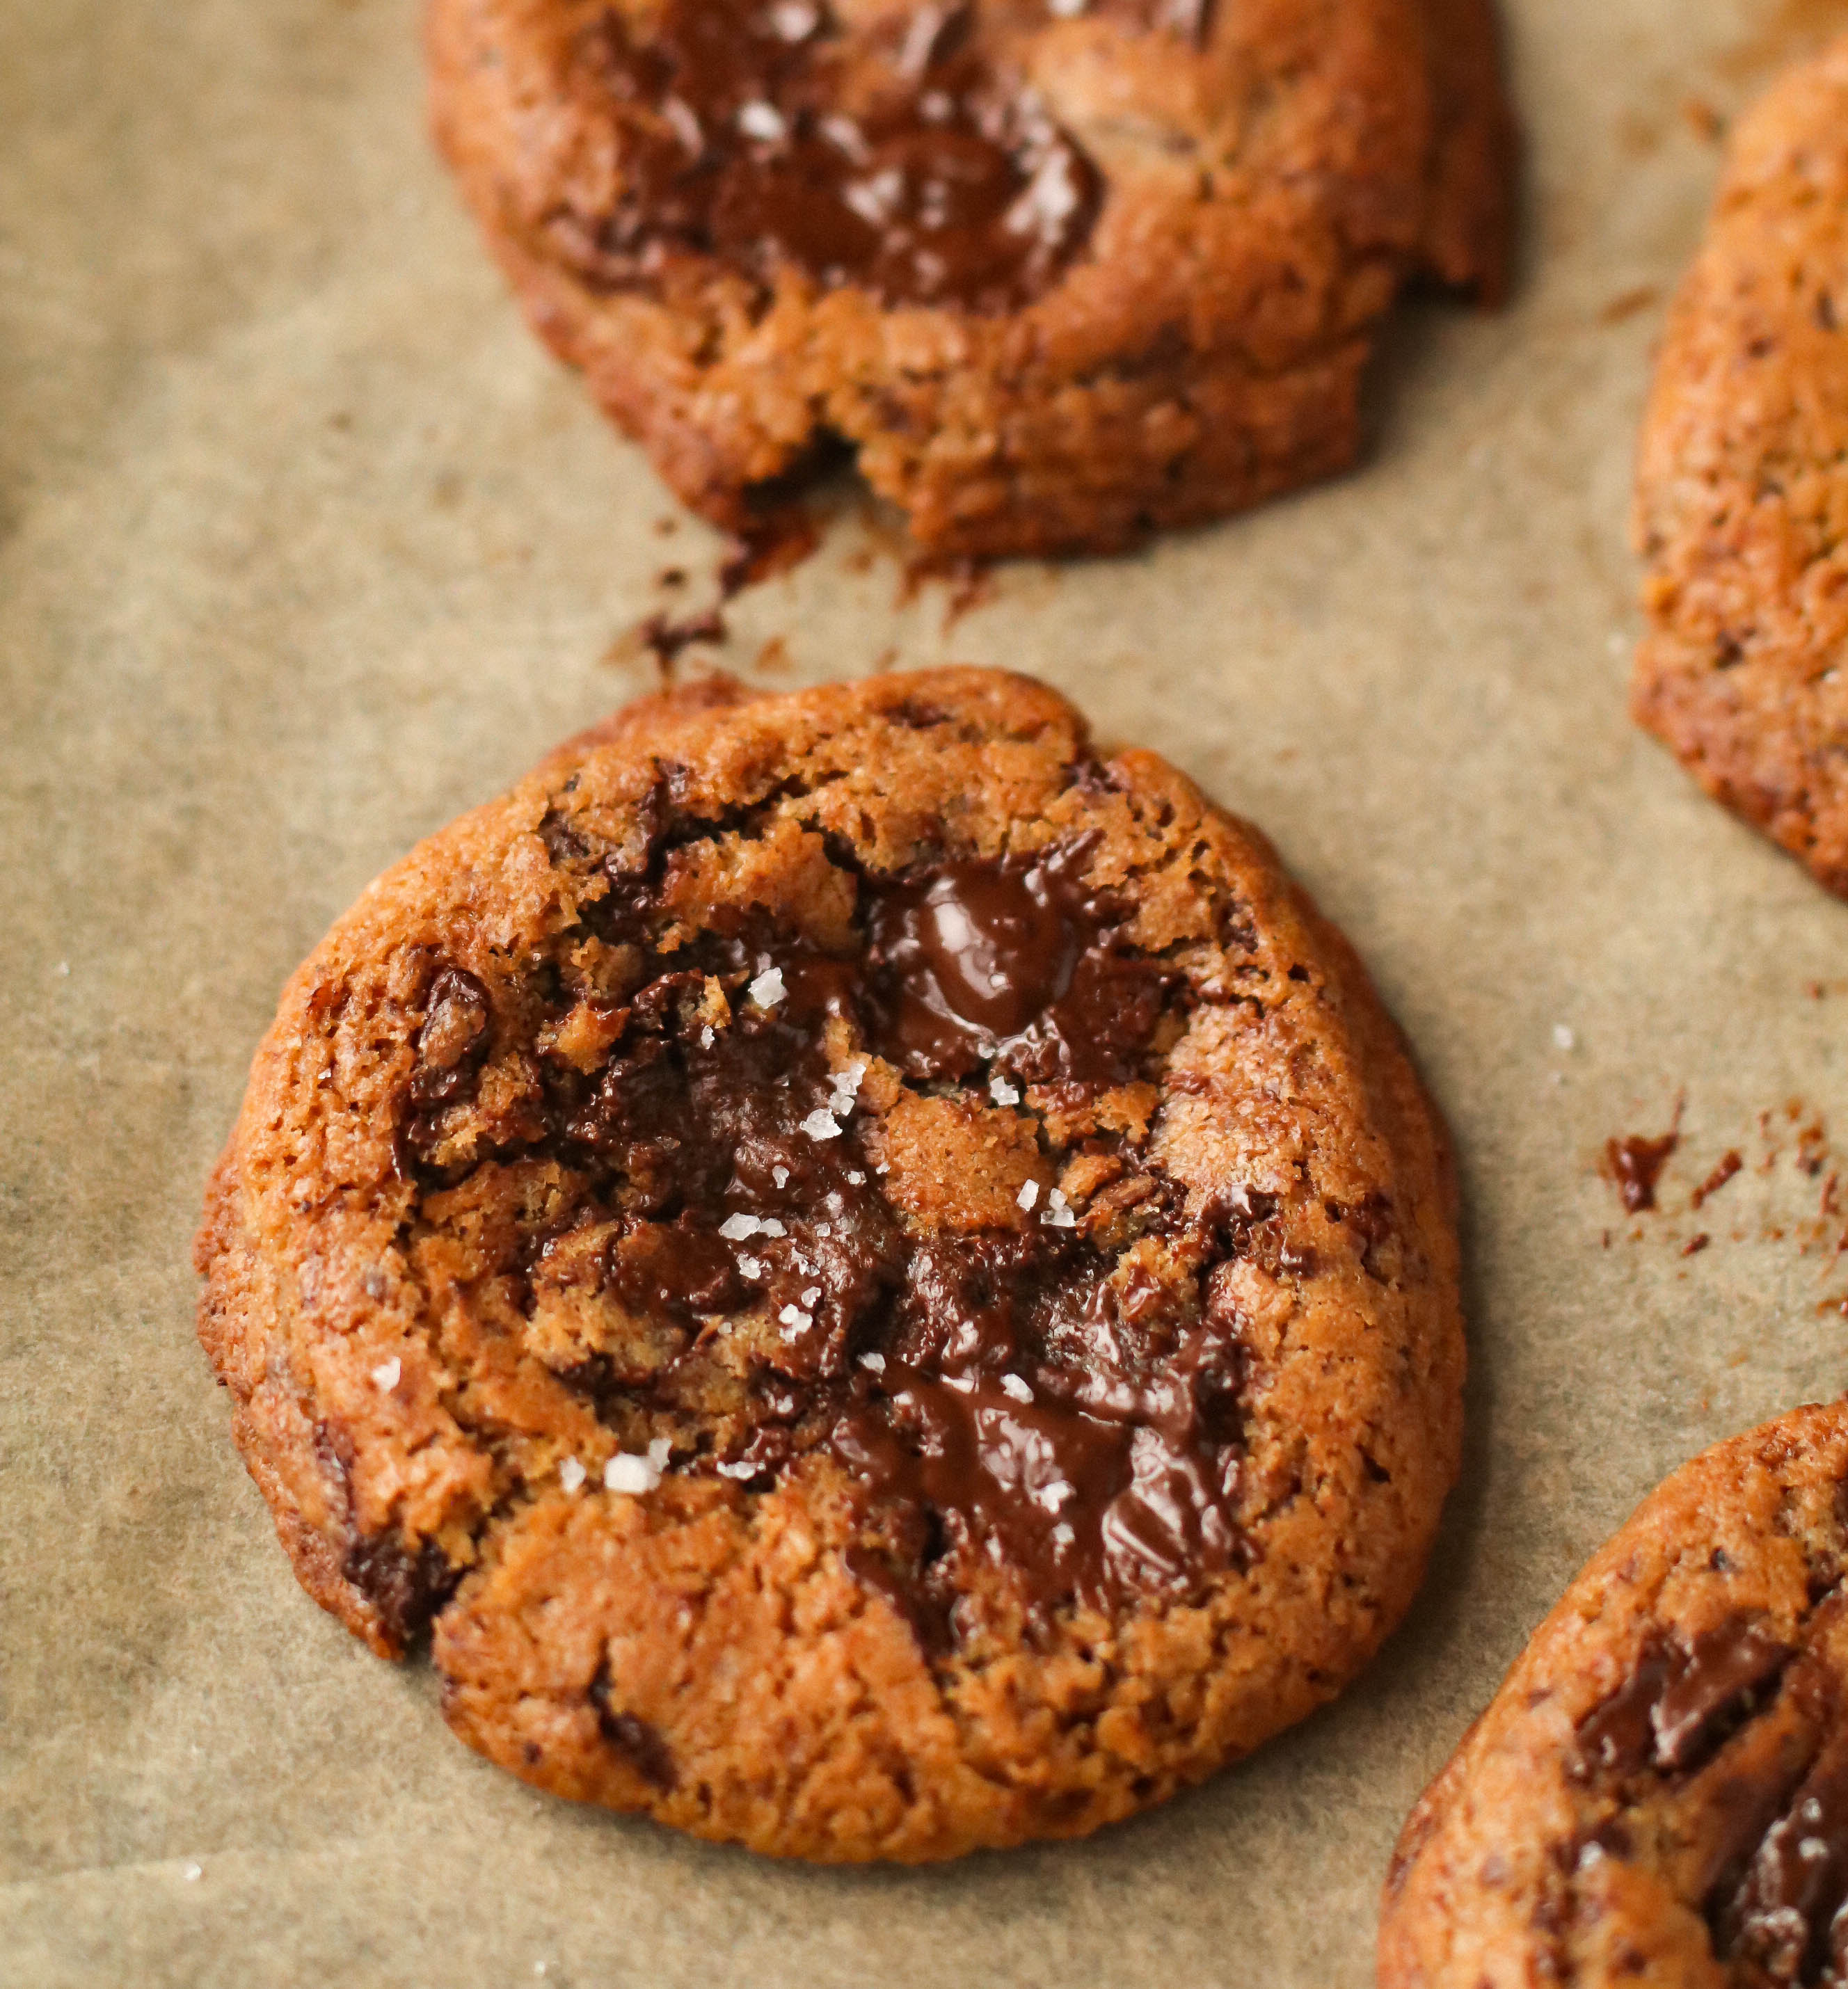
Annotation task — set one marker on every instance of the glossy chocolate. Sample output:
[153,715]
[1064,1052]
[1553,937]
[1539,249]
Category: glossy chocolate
[748,133]
[1010,1401]
[1680,1702]
[1016,960]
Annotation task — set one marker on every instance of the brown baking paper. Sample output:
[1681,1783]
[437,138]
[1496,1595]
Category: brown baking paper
[305,545]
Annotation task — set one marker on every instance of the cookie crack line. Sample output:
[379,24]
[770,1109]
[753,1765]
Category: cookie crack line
[815,1255]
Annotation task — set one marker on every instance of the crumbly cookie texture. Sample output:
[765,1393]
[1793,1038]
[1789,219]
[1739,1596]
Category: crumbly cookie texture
[1658,1792]
[1059,273]
[877,1278]
[1742,487]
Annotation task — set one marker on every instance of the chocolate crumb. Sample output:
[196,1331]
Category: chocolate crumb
[1636,1165]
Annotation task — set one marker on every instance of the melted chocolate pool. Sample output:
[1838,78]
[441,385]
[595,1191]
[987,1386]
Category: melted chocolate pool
[1009,1399]
[928,182]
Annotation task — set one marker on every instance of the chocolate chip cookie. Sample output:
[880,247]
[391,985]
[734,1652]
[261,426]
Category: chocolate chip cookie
[1742,491]
[1056,272]
[1659,1792]
[878,1277]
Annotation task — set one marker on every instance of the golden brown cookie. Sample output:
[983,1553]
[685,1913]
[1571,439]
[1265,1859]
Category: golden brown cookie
[1742,484]
[1057,272]
[1658,1794]
[881,1278]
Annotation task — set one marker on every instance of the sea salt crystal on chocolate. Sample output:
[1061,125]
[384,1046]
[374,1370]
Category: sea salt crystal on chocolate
[706,1037]
[686,126]
[770,1227]
[794,20]
[633,1475]
[795,1320]
[874,1363]
[1029,1194]
[384,1376]
[768,989]
[857,1180]
[762,120]
[1002,1092]
[735,1229]
[751,1267]
[1058,1213]
[810,1297]
[820,1124]
[742,1469]
[571,1474]
[780,1176]
[658,1452]
[1012,1384]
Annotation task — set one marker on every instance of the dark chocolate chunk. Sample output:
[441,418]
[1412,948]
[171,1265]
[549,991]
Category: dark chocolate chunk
[936,184]
[640,1744]
[1678,1703]
[454,1040]
[1014,960]
[1796,1884]
[406,1588]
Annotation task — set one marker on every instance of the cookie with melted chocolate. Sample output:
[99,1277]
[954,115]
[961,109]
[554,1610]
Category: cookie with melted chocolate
[876,1279]
[1741,486]
[1059,273]
[1659,1792]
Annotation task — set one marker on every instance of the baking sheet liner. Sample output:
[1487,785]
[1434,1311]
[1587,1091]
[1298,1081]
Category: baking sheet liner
[305,545]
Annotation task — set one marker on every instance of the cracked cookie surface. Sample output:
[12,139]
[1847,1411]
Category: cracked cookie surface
[1058,273]
[877,1277]
[1658,1792]
[1742,511]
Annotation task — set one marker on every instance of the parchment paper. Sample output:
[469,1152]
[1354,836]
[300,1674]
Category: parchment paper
[305,545]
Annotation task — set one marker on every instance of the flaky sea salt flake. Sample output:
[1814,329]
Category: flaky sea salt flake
[821,1124]
[385,1375]
[795,1320]
[633,1475]
[768,989]
[874,1363]
[810,1297]
[780,1176]
[571,1474]
[762,120]
[1002,1092]
[735,1229]
[794,20]
[1012,1385]
[751,1267]
[1029,1194]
